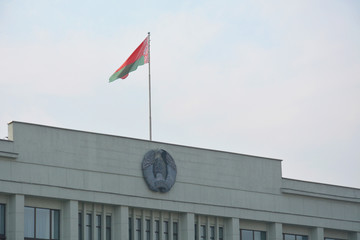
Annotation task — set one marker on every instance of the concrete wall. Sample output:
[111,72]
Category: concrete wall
[79,166]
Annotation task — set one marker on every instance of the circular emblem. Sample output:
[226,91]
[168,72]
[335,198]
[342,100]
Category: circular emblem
[159,170]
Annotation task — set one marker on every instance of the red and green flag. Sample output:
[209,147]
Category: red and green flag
[139,57]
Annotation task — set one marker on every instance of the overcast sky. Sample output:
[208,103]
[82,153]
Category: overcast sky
[277,79]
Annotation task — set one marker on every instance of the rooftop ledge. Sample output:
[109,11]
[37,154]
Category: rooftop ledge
[320,190]
[7,149]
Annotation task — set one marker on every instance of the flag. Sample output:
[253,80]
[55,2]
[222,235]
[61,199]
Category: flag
[139,57]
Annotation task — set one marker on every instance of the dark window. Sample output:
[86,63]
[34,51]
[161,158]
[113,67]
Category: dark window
[41,223]
[166,230]
[196,232]
[259,235]
[108,227]
[221,233]
[88,226]
[98,226]
[287,236]
[203,232]
[55,224]
[147,229]
[175,231]
[212,232]
[252,235]
[157,230]
[130,229]
[80,225]
[2,221]
[138,229]
[298,237]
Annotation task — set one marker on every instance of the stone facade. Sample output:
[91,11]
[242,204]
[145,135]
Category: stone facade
[96,185]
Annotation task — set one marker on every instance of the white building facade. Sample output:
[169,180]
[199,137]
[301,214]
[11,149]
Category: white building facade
[73,185]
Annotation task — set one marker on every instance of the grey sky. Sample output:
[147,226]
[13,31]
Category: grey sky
[277,79]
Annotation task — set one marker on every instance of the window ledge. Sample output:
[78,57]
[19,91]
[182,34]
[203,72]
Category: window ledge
[10,155]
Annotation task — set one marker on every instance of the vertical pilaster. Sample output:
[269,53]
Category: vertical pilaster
[187,230]
[93,222]
[143,225]
[121,222]
[208,230]
[161,226]
[171,230]
[275,231]
[16,217]
[198,224]
[85,233]
[70,220]
[133,224]
[103,222]
[232,228]
[152,225]
[217,225]
[239,229]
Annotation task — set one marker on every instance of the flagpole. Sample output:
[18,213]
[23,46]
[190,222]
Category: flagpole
[150,127]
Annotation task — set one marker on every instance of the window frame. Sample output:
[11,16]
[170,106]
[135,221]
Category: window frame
[330,238]
[51,224]
[253,233]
